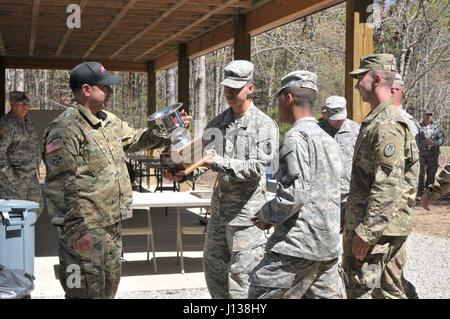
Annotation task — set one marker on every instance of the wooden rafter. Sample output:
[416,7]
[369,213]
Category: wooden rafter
[69,31]
[34,26]
[110,27]
[2,46]
[150,26]
[205,17]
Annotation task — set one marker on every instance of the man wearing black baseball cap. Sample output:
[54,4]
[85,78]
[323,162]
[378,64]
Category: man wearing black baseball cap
[87,187]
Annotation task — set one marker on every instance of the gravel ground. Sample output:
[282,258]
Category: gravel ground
[427,267]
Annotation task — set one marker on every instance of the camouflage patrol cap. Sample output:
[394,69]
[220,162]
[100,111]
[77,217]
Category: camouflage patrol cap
[398,79]
[336,108]
[383,62]
[238,73]
[427,112]
[17,96]
[300,79]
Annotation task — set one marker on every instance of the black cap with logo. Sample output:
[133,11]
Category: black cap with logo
[91,73]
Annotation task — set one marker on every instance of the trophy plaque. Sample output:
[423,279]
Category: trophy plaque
[184,154]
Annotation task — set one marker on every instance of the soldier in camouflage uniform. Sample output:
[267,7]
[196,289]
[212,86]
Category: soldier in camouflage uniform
[438,189]
[301,259]
[414,127]
[397,95]
[430,140]
[345,132]
[244,141]
[378,216]
[19,153]
[87,187]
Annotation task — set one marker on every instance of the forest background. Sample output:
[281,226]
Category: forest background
[415,31]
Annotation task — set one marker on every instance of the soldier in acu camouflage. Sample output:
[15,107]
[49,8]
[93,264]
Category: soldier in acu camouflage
[244,141]
[19,153]
[414,127]
[345,132]
[430,140]
[87,187]
[378,216]
[301,259]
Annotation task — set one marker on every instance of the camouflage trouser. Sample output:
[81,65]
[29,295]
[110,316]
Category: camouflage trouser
[430,165]
[285,277]
[409,288]
[96,273]
[379,274]
[230,254]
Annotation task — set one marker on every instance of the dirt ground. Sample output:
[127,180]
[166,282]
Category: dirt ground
[436,221]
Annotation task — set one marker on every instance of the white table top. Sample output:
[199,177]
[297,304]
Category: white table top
[168,199]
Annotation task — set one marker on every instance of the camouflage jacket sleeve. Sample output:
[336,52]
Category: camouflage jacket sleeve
[60,150]
[438,137]
[442,184]
[294,180]
[134,140]
[259,157]
[388,147]
[6,170]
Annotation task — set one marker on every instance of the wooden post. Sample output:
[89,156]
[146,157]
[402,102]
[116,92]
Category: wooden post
[183,89]
[359,43]
[2,88]
[242,39]
[183,77]
[151,89]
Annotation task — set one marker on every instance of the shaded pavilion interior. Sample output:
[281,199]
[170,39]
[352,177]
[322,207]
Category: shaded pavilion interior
[153,35]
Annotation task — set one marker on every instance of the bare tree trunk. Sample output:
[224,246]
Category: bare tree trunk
[199,71]
[171,92]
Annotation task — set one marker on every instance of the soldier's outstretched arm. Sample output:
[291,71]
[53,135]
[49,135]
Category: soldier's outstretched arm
[60,147]
[134,140]
[294,180]
[386,192]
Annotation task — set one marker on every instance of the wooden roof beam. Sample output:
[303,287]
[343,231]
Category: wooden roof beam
[149,27]
[268,16]
[34,25]
[205,17]
[69,31]
[68,64]
[115,21]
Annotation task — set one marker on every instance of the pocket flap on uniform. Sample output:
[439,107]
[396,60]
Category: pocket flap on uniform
[380,249]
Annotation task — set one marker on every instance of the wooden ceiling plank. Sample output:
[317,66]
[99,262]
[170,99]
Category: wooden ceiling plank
[2,46]
[69,31]
[206,16]
[110,27]
[150,26]
[34,25]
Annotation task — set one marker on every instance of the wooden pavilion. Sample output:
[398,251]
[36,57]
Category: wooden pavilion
[152,35]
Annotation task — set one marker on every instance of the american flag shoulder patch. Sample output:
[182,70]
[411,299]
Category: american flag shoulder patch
[53,146]
[3,132]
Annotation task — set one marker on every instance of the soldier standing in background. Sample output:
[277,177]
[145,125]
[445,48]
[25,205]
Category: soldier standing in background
[19,153]
[397,95]
[301,259]
[345,132]
[430,140]
[87,187]
[378,215]
[414,127]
